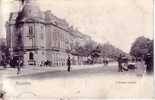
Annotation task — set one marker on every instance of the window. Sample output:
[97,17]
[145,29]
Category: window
[42,36]
[31,33]
[30,30]
[31,56]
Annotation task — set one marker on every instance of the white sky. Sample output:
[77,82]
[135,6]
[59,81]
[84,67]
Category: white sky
[119,22]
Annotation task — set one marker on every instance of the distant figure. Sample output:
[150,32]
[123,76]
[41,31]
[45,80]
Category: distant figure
[19,64]
[140,65]
[149,63]
[124,63]
[105,62]
[3,62]
[120,63]
[69,63]
[2,93]
[47,63]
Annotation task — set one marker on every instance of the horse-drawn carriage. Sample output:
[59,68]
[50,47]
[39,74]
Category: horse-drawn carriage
[126,65]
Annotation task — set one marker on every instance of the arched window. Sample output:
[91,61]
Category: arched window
[31,56]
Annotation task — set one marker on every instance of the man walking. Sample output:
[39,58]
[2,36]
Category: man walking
[68,64]
[19,64]
[120,64]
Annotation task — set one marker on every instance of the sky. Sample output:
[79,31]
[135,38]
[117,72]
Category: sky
[118,22]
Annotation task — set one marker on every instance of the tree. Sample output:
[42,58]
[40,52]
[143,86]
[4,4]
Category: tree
[84,50]
[141,47]
[96,52]
[110,51]
[89,47]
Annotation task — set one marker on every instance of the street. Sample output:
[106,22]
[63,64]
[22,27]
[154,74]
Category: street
[34,72]
[85,81]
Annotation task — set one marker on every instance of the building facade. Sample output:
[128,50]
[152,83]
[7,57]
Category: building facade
[2,43]
[39,36]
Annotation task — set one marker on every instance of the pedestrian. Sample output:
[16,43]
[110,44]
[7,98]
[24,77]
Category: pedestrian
[69,63]
[149,63]
[2,92]
[19,64]
[120,63]
[3,61]
[140,67]
[105,61]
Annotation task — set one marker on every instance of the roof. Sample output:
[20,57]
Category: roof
[30,10]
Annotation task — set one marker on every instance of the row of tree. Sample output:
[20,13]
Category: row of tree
[141,47]
[94,50]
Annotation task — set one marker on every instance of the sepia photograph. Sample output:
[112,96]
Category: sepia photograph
[76,49]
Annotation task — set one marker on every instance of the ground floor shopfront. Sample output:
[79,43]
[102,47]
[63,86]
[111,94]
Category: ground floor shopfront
[50,58]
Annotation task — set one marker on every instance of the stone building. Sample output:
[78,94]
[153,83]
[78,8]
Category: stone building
[40,36]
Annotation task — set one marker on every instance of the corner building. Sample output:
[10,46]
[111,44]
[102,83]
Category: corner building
[41,35]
